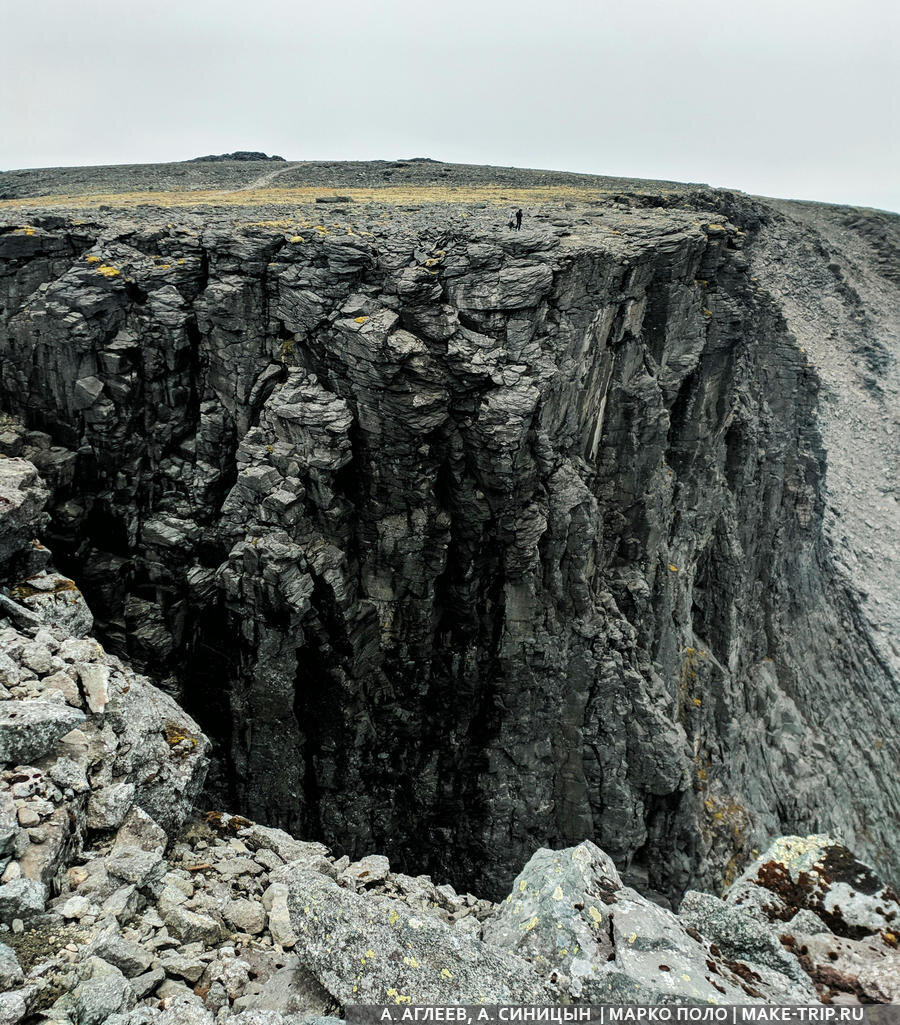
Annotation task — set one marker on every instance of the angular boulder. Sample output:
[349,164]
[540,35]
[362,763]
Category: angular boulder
[29,729]
[557,914]
[601,941]
[293,990]
[10,971]
[57,601]
[22,898]
[102,991]
[818,874]
[372,949]
[739,936]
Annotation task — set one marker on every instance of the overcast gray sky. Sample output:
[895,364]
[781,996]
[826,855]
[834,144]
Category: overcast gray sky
[791,98]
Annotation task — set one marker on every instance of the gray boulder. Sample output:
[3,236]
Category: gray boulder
[29,729]
[191,926]
[557,914]
[821,875]
[129,957]
[57,601]
[144,869]
[601,941]
[22,898]
[371,949]
[10,970]
[658,961]
[102,991]
[15,1004]
[275,901]
[139,830]
[739,936]
[293,989]
[108,806]
[287,848]
[144,985]
[246,915]
[368,871]
[161,750]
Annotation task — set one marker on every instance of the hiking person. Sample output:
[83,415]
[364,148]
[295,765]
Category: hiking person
[518,220]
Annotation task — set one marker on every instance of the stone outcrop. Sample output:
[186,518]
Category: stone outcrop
[86,745]
[831,910]
[458,542]
[22,500]
[605,943]
[241,155]
[371,950]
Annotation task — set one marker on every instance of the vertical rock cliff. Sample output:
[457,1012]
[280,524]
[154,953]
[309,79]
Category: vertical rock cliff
[461,542]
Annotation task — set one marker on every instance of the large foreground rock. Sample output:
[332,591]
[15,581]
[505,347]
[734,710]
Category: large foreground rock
[570,914]
[828,908]
[372,949]
[818,874]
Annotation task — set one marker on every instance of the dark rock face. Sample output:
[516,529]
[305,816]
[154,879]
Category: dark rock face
[463,543]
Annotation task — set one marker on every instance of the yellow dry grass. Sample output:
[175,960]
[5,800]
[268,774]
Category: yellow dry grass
[493,195]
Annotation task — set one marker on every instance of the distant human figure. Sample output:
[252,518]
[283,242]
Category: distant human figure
[518,220]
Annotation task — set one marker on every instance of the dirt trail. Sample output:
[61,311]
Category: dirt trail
[265,180]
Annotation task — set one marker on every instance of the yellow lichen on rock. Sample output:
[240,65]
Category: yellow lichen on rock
[175,733]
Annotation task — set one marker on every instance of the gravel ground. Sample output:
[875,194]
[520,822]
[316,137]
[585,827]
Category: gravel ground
[843,311]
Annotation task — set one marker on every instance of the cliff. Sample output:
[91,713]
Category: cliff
[119,903]
[460,541]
